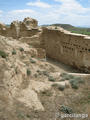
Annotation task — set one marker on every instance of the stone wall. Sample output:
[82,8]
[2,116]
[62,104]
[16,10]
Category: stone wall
[66,47]
[3,29]
[27,28]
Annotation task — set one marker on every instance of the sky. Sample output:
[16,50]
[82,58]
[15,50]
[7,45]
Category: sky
[74,12]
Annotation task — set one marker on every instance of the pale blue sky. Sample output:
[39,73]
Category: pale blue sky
[75,12]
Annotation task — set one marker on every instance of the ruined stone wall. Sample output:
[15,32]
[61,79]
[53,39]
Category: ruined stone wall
[3,29]
[27,28]
[71,49]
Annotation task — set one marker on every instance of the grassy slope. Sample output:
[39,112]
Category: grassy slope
[85,31]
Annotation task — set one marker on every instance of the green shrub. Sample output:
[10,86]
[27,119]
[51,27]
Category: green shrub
[66,76]
[14,52]
[3,54]
[21,49]
[56,27]
[50,78]
[16,71]
[63,79]
[35,75]
[28,72]
[61,88]
[66,109]
[21,116]
[76,81]
[46,73]
[47,93]
[39,72]
[54,85]
[74,84]
[79,79]
[28,116]
[63,74]
[32,61]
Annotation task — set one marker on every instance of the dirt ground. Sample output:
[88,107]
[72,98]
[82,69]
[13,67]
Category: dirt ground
[28,86]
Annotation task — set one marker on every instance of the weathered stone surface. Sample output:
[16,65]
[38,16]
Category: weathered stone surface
[17,29]
[30,23]
[71,49]
[3,29]
[14,29]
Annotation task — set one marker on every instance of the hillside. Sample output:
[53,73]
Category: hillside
[34,89]
[73,29]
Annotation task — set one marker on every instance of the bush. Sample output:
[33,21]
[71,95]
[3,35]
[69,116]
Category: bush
[61,88]
[46,93]
[13,52]
[16,71]
[21,49]
[74,83]
[32,61]
[35,75]
[50,78]
[66,109]
[56,27]
[28,116]
[39,72]
[63,79]
[63,74]
[66,76]
[46,73]
[54,85]
[3,54]
[79,79]
[28,72]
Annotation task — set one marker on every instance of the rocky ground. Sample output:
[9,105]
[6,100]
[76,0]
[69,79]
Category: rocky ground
[38,89]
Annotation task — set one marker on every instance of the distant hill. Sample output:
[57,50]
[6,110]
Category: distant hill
[73,29]
[8,25]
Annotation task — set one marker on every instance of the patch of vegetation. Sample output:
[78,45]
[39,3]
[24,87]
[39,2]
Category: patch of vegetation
[47,93]
[32,61]
[28,116]
[74,84]
[16,71]
[14,52]
[79,80]
[51,78]
[28,72]
[66,109]
[21,49]
[81,32]
[39,72]
[35,75]
[63,74]
[54,85]
[56,27]
[46,73]
[21,116]
[61,88]
[74,80]
[30,46]
[3,54]
[66,76]
[73,29]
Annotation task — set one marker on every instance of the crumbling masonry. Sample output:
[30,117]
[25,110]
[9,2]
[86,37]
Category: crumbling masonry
[58,44]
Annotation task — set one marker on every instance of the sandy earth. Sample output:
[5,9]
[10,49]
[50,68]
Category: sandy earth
[26,91]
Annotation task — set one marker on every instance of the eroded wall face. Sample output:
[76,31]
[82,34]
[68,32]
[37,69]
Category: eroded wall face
[67,48]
